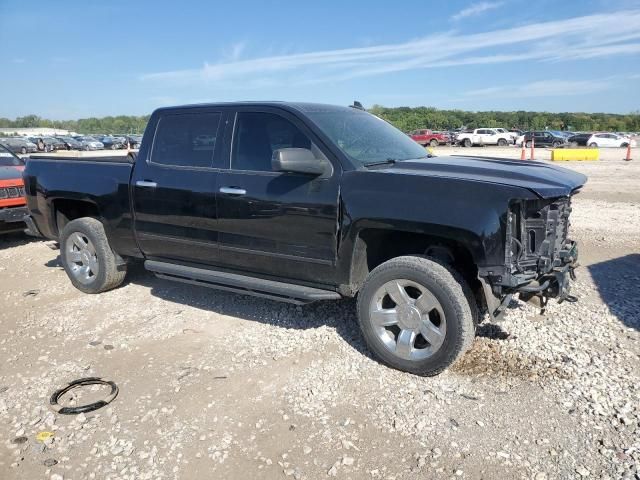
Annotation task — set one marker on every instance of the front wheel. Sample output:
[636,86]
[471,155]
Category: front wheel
[593,145]
[87,257]
[467,142]
[23,150]
[528,144]
[555,144]
[416,315]
[433,142]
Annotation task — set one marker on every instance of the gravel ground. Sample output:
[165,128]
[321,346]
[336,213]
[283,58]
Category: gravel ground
[217,385]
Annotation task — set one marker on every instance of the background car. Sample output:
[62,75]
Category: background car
[609,140]
[509,133]
[134,140]
[89,143]
[19,145]
[71,143]
[580,139]
[429,137]
[13,204]
[544,138]
[48,144]
[113,143]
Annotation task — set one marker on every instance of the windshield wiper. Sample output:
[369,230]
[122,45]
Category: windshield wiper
[388,161]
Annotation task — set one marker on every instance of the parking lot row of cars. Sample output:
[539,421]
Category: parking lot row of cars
[25,145]
[542,138]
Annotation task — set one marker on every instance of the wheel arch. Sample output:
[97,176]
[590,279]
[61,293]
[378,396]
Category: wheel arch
[65,210]
[374,246]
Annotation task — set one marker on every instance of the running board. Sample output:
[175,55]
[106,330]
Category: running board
[232,282]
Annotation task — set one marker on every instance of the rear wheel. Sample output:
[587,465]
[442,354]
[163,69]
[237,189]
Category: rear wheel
[467,142]
[502,142]
[433,142]
[624,145]
[87,257]
[415,315]
[23,150]
[528,144]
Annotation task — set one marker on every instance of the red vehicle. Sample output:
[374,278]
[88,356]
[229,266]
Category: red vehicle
[429,137]
[13,205]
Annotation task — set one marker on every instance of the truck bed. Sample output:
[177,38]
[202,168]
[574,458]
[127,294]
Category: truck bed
[100,182]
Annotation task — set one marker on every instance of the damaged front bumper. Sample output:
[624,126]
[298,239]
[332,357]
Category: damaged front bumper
[556,283]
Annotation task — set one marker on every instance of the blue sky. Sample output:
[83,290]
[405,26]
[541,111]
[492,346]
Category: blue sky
[75,59]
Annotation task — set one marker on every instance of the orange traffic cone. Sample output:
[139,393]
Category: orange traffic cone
[628,157]
[532,147]
[523,151]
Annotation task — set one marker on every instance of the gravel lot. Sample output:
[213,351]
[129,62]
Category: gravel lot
[217,385]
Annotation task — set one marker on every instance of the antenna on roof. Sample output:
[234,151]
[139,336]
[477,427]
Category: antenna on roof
[357,104]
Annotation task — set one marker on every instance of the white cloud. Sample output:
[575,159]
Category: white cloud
[552,87]
[476,9]
[543,88]
[599,35]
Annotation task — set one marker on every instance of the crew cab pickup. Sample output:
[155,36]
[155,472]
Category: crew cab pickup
[13,205]
[305,202]
[484,136]
[429,137]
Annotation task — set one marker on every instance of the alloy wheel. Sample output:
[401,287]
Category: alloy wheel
[408,319]
[81,258]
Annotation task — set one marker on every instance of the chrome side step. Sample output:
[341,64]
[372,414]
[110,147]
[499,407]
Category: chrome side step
[232,282]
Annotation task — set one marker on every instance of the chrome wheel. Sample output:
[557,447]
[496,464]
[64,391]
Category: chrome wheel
[408,319]
[81,258]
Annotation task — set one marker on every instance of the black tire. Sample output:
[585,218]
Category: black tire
[23,150]
[434,142]
[624,145]
[528,144]
[502,142]
[555,144]
[467,142]
[451,292]
[593,145]
[111,270]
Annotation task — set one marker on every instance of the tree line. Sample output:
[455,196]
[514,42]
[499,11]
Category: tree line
[405,118]
[120,124]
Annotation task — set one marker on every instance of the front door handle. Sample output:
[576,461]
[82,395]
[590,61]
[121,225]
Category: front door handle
[145,183]
[233,190]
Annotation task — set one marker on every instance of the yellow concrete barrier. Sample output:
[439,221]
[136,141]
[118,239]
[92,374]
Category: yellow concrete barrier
[574,154]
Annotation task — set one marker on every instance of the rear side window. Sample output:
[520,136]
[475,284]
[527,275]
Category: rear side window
[258,135]
[186,140]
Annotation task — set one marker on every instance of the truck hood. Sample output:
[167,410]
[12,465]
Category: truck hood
[11,173]
[543,179]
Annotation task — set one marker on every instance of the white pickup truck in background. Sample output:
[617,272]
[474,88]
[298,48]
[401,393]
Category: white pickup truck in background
[484,136]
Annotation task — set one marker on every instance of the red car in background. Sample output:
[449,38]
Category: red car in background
[13,205]
[429,137]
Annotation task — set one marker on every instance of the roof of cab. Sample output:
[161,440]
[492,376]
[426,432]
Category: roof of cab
[303,107]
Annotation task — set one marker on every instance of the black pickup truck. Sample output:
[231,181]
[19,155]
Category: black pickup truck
[305,202]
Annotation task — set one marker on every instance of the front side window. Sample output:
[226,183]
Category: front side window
[186,140]
[258,135]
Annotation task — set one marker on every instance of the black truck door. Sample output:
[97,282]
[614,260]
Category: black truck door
[276,223]
[173,186]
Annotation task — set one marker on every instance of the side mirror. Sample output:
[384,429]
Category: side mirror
[299,160]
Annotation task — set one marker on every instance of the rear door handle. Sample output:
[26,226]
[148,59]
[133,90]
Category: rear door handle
[233,190]
[144,183]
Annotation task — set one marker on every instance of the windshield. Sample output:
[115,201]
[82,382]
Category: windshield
[366,138]
[8,159]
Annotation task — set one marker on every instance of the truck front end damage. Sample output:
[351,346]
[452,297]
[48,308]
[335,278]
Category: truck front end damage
[539,260]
